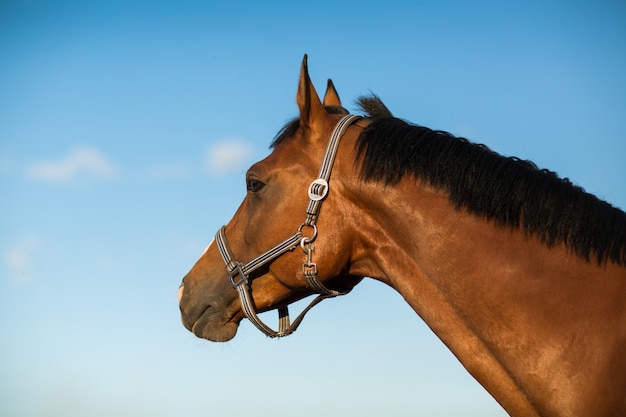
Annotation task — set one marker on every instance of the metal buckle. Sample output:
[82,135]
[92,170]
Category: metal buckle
[318,189]
[238,271]
[309,269]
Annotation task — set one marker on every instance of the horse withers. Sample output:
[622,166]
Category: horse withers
[520,273]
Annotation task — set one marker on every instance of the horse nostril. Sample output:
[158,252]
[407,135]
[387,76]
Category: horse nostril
[181,290]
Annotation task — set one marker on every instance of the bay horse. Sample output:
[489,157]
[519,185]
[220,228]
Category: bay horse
[520,273]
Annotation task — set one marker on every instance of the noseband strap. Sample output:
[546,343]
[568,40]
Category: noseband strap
[318,191]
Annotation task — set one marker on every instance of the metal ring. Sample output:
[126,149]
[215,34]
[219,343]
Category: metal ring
[307,239]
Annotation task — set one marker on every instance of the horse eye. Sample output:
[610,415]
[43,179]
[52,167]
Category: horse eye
[254,185]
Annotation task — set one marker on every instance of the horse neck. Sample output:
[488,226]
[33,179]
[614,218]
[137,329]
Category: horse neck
[507,306]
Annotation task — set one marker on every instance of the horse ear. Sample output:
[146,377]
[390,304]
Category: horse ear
[331,98]
[311,108]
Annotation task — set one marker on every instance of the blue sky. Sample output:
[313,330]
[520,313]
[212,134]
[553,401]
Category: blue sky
[125,131]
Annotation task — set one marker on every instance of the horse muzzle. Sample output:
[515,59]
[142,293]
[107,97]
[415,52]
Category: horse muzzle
[209,317]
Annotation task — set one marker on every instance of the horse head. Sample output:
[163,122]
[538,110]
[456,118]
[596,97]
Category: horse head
[281,245]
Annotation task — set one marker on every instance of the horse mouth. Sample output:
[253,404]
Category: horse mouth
[214,327]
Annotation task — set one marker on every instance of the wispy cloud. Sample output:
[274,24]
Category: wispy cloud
[79,163]
[228,156]
[18,258]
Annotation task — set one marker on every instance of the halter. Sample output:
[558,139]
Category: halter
[317,193]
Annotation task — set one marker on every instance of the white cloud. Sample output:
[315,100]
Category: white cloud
[79,163]
[18,258]
[228,156]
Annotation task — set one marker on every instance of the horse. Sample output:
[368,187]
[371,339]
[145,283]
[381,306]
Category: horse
[520,273]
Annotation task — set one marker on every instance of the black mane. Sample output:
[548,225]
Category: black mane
[509,191]
[512,192]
